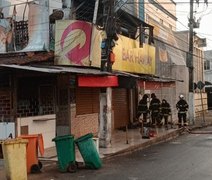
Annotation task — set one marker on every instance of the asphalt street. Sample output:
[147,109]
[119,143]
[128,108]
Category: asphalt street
[187,157]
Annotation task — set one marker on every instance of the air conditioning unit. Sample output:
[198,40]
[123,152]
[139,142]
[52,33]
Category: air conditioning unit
[196,24]
[202,42]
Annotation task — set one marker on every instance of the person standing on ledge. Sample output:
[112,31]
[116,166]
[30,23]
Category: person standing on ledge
[182,107]
[154,108]
[165,112]
[143,108]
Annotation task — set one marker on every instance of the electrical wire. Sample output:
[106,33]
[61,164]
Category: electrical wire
[172,35]
[186,26]
[170,44]
[74,38]
[181,49]
[92,11]
[163,28]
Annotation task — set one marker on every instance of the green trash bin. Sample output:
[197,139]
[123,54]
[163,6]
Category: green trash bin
[88,151]
[65,153]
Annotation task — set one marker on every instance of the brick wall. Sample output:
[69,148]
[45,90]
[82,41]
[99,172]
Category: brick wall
[34,98]
[5,105]
[83,124]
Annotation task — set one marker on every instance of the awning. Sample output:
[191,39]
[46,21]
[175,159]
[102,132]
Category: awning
[57,69]
[104,81]
[130,19]
[97,81]
[208,84]
[154,85]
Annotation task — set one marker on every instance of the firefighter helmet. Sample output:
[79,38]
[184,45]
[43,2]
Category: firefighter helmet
[181,96]
[153,95]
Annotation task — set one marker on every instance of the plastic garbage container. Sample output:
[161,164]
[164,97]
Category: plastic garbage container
[65,153]
[1,152]
[14,152]
[35,142]
[96,142]
[88,151]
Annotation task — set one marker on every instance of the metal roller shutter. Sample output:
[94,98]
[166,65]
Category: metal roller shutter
[121,108]
[87,100]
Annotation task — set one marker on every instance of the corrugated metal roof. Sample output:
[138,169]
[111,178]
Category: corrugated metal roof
[30,68]
[80,70]
[56,69]
[121,73]
[161,79]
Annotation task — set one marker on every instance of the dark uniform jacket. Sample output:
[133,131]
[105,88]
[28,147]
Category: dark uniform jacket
[154,106]
[165,108]
[142,106]
[182,106]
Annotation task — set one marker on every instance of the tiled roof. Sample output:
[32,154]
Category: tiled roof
[26,58]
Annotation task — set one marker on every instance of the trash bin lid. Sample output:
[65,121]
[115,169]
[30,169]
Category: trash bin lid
[15,141]
[27,136]
[59,138]
[85,137]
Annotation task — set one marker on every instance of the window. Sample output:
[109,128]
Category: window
[35,96]
[207,65]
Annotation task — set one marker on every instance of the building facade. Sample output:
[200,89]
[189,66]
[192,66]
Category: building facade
[52,64]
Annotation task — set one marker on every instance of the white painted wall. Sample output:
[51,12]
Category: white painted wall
[6,129]
[46,125]
[9,6]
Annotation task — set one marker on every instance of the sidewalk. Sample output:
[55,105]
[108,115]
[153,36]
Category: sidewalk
[120,144]
[123,143]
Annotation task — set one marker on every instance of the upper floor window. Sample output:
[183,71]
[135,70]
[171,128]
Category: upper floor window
[207,65]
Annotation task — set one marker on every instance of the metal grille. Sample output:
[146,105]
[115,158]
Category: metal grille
[21,34]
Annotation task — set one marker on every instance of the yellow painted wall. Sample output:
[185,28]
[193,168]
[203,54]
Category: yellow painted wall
[129,57]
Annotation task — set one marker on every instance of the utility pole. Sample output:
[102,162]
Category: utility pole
[110,30]
[190,65]
[191,46]
[105,132]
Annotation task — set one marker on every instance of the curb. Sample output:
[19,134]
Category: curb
[153,141]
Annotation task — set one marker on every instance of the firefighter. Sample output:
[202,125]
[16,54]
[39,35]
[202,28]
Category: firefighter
[143,108]
[1,13]
[182,107]
[165,112]
[154,108]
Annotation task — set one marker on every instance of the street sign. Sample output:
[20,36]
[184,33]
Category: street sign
[200,85]
[195,86]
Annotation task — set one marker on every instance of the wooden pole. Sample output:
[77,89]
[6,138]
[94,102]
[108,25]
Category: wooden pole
[127,142]
[203,113]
